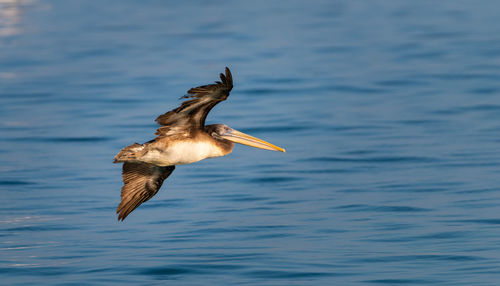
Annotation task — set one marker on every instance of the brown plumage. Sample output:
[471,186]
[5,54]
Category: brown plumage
[183,138]
[142,180]
[192,113]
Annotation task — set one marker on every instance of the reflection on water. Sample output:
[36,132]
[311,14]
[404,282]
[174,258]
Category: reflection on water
[10,25]
[388,111]
[10,16]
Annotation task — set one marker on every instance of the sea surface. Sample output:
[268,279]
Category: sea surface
[389,112]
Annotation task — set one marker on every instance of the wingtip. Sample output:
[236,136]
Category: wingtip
[121,216]
[229,77]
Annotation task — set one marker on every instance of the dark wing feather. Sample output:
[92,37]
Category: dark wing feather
[141,182]
[192,113]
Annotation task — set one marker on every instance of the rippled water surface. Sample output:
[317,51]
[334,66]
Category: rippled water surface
[389,111]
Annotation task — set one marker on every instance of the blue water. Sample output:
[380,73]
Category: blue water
[389,111]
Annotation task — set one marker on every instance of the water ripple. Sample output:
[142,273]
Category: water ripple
[276,274]
[402,281]
[15,182]
[362,208]
[383,159]
[421,257]
[89,139]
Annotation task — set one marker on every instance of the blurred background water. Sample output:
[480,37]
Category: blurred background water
[389,111]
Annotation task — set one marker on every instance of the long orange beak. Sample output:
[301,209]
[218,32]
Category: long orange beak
[242,138]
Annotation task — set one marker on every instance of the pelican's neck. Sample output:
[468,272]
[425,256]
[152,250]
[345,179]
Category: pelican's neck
[225,146]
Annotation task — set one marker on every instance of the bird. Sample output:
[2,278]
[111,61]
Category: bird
[182,138]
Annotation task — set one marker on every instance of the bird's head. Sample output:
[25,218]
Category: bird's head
[223,132]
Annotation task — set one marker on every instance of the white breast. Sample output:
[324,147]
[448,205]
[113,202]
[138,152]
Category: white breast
[183,152]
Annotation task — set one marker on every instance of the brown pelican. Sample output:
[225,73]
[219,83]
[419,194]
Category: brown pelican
[183,138]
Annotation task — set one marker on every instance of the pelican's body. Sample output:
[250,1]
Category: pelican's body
[185,152]
[182,139]
[176,151]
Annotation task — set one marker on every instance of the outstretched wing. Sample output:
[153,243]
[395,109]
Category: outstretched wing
[192,113]
[141,182]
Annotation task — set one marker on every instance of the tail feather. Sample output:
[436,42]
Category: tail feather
[128,153]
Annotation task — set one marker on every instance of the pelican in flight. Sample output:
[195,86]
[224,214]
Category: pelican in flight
[183,138]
